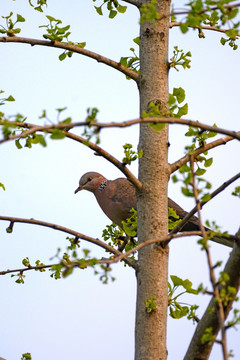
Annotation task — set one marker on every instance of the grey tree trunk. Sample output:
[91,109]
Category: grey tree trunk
[152,276]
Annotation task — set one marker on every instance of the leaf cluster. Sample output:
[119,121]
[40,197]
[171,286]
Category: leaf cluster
[9,129]
[130,227]
[132,62]
[180,58]
[10,29]
[150,304]
[175,99]
[90,131]
[104,274]
[149,12]
[3,100]
[116,236]
[213,14]
[186,177]
[113,235]
[70,260]
[113,8]
[26,356]
[130,155]
[173,218]
[68,53]
[235,320]
[176,310]
[54,31]
[40,4]
[208,336]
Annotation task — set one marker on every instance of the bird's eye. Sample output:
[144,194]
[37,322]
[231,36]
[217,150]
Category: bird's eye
[89,179]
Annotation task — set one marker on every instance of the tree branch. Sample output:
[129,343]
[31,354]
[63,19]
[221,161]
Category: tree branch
[216,293]
[21,270]
[164,239]
[49,128]
[168,120]
[197,349]
[136,3]
[177,164]
[204,27]
[68,231]
[224,241]
[186,12]
[74,48]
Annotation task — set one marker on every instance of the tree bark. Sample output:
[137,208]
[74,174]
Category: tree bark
[152,275]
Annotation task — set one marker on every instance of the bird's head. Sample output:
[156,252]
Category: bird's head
[90,181]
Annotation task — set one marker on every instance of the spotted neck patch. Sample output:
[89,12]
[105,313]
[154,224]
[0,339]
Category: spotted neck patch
[103,185]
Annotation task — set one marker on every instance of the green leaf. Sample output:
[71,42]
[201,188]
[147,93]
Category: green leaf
[200,171]
[157,126]
[180,94]
[183,110]
[17,143]
[38,8]
[178,313]
[10,98]
[112,14]
[183,28]
[81,45]
[98,10]
[128,230]
[57,134]
[206,197]
[51,19]
[232,33]
[62,56]
[187,192]
[177,281]
[20,18]
[208,162]
[121,9]
[137,40]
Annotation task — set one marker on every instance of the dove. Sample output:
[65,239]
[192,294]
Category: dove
[117,197]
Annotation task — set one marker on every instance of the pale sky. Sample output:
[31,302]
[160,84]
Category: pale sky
[79,317]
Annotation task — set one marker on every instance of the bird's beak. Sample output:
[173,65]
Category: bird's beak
[78,189]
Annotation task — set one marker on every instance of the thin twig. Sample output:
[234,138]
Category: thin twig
[210,265]
[204,27]
[186,12]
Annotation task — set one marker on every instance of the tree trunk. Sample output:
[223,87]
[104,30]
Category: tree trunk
[152,276]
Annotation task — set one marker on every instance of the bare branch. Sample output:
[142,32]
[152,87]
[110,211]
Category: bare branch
[74,48]
[68,231]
